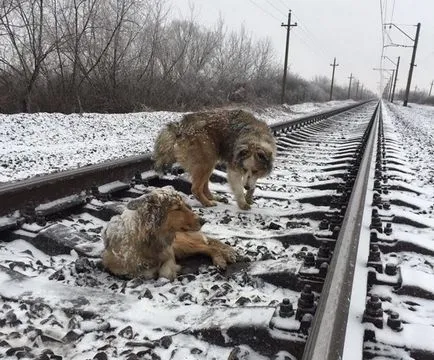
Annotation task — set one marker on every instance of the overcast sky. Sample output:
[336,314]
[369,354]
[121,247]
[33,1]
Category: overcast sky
[349,30]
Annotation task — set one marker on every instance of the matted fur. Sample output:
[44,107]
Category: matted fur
[201,140]
[155,229]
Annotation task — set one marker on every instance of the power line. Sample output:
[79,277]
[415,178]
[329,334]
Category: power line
[265,11]
[393,10]
[283,4]
[278,10]
[382,48]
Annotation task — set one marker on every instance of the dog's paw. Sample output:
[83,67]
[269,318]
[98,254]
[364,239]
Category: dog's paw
[205,239]
[209,203]
[249,200]
[221,199]
[169,272]
[243,205]
[222,254]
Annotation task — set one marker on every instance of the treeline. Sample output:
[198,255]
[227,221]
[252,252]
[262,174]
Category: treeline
[127,55]
[416,96]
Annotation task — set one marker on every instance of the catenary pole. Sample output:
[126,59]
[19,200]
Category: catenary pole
[396,78]
[410,72]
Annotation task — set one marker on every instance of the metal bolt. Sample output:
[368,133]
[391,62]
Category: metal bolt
[305,323]
[324,224]
[374,253]
[373,312]
[374,259]
[336,231]
[391,269]
[388,229]
[306,302]
[394,322]
[376,221]
[40,220]
[377,184]
[323,269]
[323,254]
[138,178]
[286,310]
[309,260]
[376,200]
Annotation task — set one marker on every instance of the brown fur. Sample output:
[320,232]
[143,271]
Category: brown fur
[201,140]
[154,230]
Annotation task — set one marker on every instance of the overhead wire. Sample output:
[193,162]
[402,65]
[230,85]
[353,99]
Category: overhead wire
[382,48]
[263,10]
[393,10]
[306,40]
[272,5]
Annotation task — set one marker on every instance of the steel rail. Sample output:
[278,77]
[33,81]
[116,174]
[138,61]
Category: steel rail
[45,188]
[327,335]
[17,195]
[308,119]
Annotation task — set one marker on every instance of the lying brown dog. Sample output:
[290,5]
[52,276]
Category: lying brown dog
[155,229]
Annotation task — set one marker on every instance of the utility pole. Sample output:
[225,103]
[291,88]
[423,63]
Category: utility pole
[357,89]
[396,78]
[389,96]
[288,29]
[410,72]
[432,82]
[349,87]
[333,77]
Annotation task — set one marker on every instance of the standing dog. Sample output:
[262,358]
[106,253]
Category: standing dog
[201,140]
[155,229]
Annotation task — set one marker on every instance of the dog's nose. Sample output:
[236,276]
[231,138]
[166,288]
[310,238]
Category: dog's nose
[247,187]
[202,221]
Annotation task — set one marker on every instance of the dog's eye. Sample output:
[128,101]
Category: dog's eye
[262,157]
[243,154]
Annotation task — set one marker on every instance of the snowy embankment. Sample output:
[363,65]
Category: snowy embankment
[42,143]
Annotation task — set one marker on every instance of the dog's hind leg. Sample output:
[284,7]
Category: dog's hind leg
[193,243]
[199,187]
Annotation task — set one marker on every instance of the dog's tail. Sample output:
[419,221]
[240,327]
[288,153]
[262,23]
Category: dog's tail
[164,154]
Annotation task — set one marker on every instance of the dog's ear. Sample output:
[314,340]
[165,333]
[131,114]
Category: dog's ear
[138,203]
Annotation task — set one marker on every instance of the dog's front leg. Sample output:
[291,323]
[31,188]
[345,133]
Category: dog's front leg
[235,179]
[250,187]
[249,195]
[169,269]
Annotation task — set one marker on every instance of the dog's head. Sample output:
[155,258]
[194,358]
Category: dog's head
[255,160]
[165,212]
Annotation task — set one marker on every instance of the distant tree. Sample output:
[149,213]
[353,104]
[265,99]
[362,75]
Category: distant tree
[26,44]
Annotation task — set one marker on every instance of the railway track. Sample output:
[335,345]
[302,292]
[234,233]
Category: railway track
[337,258]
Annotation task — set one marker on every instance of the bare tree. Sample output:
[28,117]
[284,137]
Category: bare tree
[22,23]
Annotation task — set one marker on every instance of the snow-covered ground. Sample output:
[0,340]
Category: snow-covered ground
[136,313]
[35,144]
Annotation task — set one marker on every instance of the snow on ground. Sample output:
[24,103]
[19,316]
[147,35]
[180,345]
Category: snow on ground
[68,141]
[414,131]
[41,143]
